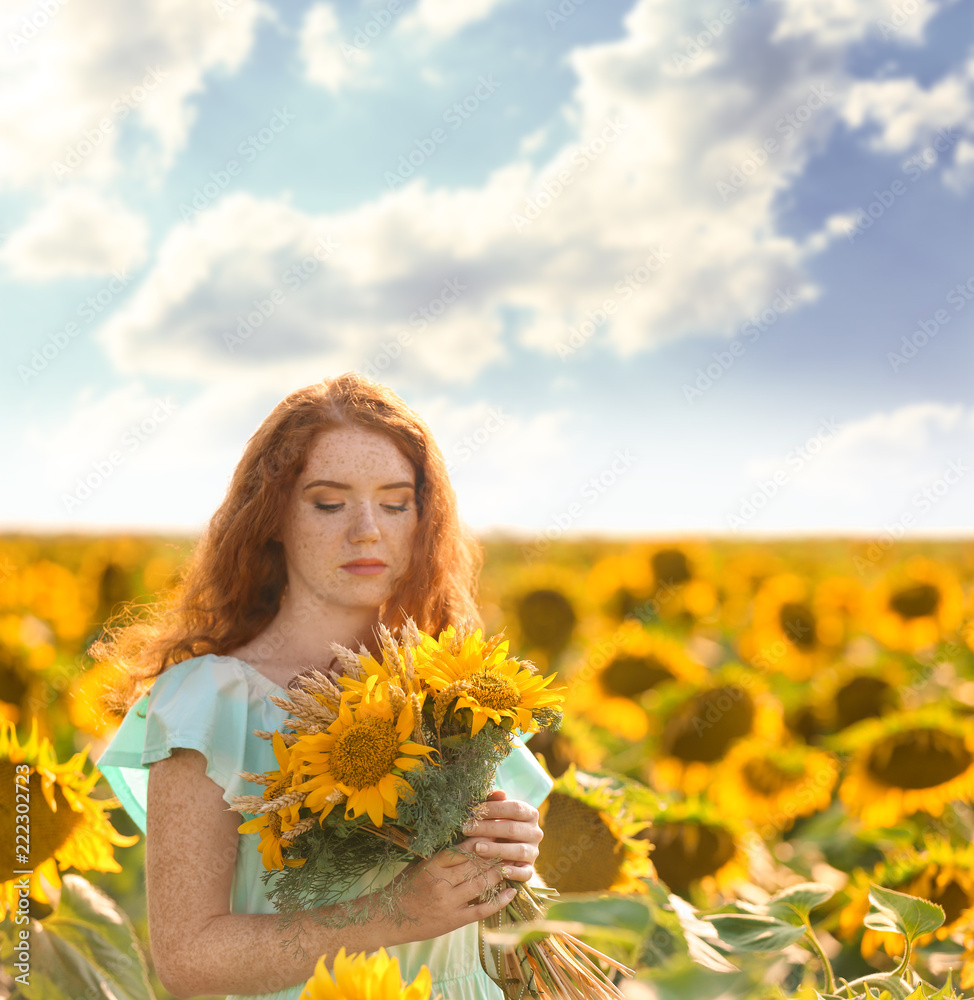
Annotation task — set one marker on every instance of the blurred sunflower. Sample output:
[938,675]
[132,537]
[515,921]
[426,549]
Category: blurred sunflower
[358,977]
[618,669]
[694,845]
[621,584]
[740,578]
[770,784]
[543,604]
[682,584]
[90,707]
[18,683]
[917,605]
[588,843]
[52,593]
[784,635]
[939,872]
[696,725]
[907,762]
[573,742]
[838,606]
[68,828]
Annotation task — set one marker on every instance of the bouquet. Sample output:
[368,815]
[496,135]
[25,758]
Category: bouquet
[383,765]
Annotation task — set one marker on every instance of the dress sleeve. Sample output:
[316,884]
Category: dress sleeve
[522,777]
[200,704]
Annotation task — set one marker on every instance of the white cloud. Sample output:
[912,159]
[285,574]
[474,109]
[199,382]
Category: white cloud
[906,114]
[69,88]
[78,232]
[840,22]
[329,60]
[443,18]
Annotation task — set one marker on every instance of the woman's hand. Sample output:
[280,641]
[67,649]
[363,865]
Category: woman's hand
[509,833]
[452,889]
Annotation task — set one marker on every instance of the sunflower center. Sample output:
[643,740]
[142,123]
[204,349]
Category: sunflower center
[546,618]
[863,698]
[766,778]
[627,676]
[918,758]
[494,690]
[686,852]
[579,852]
[48,830]
[706,725]
[670,567]
[798,624]
[364,753]
[278,788]
[915,602]
[952,897]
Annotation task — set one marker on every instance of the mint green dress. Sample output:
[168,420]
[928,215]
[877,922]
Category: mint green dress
[213,704]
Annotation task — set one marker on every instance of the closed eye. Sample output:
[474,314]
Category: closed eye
[332,507]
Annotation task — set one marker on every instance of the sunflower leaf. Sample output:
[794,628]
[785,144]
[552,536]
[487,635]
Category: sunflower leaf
[794,903]
[754,931]
[900,913]
[87,947]
[886,984]
[608,911]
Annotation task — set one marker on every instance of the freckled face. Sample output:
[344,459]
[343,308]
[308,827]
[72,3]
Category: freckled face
[354,500]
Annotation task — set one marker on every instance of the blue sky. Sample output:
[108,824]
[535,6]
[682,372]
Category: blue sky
[689,267]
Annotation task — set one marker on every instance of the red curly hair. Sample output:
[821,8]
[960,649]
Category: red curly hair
[231,587]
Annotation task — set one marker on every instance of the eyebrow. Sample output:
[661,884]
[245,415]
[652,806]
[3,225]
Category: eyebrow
[345,486]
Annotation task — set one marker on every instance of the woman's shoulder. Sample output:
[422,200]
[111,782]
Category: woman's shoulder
[210,676]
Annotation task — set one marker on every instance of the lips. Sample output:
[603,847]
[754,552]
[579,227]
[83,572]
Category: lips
[364,562]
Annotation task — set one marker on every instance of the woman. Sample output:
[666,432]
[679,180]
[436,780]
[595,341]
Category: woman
[338,516]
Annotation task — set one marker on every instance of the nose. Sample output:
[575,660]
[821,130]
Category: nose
[364,527]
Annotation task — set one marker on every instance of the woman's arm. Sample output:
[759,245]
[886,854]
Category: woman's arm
[200,947]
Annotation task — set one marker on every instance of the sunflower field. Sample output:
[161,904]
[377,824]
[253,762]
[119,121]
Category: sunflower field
[764,781]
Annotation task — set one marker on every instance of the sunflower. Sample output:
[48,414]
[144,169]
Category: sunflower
[696,725]
[544,604]
[588,843]
[785,634]
[88,706]
[838,605]
[695,846]
[770,784]
[916,606]
[358,977]
[907,762]
[621,584]
[362,756]
[273,824]
[68,828]
[741,576]
[574,742]
[939,872]
[682,589]
[462,667]
[619,668]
